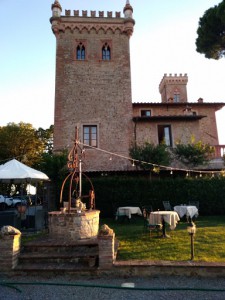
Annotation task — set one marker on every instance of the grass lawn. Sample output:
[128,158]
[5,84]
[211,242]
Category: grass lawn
[134,243]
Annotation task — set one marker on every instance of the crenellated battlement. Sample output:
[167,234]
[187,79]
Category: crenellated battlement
[173,79]
[175,76]
[172,85]
[92,14]
[84,20]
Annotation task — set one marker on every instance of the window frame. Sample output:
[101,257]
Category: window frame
[106,54]
[176,96]
[82,49]
[144,113]
[91,135]
[162,134]
[102,44]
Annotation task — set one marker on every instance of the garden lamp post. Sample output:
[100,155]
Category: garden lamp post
[192,230]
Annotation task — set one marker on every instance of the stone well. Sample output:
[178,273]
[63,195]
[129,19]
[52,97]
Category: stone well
[73,226]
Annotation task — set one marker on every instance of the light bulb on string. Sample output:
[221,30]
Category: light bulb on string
[171,172]
[223,173]
[156,169]
[133,164]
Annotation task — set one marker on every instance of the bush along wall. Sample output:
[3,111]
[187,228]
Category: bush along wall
[112,192]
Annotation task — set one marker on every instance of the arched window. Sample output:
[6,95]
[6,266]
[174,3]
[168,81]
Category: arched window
[80,52]
[176,96]
[106,55]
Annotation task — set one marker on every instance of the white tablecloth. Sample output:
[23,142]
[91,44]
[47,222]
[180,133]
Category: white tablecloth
[170,217]
[128,211]
[188,210]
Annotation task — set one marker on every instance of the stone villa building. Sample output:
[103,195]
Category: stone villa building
[93,93]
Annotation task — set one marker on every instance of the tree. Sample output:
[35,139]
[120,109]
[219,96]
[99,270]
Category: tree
[21,141]
[211,32]
[55,166]
[194,154]
[150,154]
[46,135]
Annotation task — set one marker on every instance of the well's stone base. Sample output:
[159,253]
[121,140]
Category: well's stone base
[73,226]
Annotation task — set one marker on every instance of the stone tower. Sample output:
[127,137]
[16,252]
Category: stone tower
[173,88]
[93,84]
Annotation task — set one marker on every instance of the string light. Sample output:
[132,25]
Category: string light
[158,167]
[223,173]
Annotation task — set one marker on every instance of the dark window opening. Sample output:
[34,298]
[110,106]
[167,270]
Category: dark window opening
[164,135]
[106,53]
[146,113]
[80,52]
[176,98]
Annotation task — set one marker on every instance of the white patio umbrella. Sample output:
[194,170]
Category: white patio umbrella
[16,172]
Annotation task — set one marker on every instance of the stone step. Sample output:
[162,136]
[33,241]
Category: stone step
[86,258]
[46,245]
[49,242]
[53,254]
[59,268]
[60,249]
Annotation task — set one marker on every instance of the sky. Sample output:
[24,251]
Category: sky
[163,42]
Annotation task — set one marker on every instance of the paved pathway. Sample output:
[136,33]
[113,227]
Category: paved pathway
[60,287]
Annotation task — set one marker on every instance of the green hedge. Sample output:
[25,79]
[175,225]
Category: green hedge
[112,192]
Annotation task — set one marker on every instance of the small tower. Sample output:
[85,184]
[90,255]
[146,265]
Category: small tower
[56,9]
[173,88]
[128,15]
[128,10]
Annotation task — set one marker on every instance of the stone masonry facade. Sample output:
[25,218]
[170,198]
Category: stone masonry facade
[93,91]
[199,123]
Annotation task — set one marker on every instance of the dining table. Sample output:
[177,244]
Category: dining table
[128,211]
[163,217]
[189,210]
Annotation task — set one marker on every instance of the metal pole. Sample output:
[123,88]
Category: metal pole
[80,179]
[192,246]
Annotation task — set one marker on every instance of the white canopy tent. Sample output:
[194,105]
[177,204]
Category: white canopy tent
[16,172]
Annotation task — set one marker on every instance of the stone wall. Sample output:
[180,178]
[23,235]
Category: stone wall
[107,245]
[9,251]
[73,226]
[106,251]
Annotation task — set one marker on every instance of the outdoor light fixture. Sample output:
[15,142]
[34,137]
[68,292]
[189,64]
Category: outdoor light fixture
[192,230]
